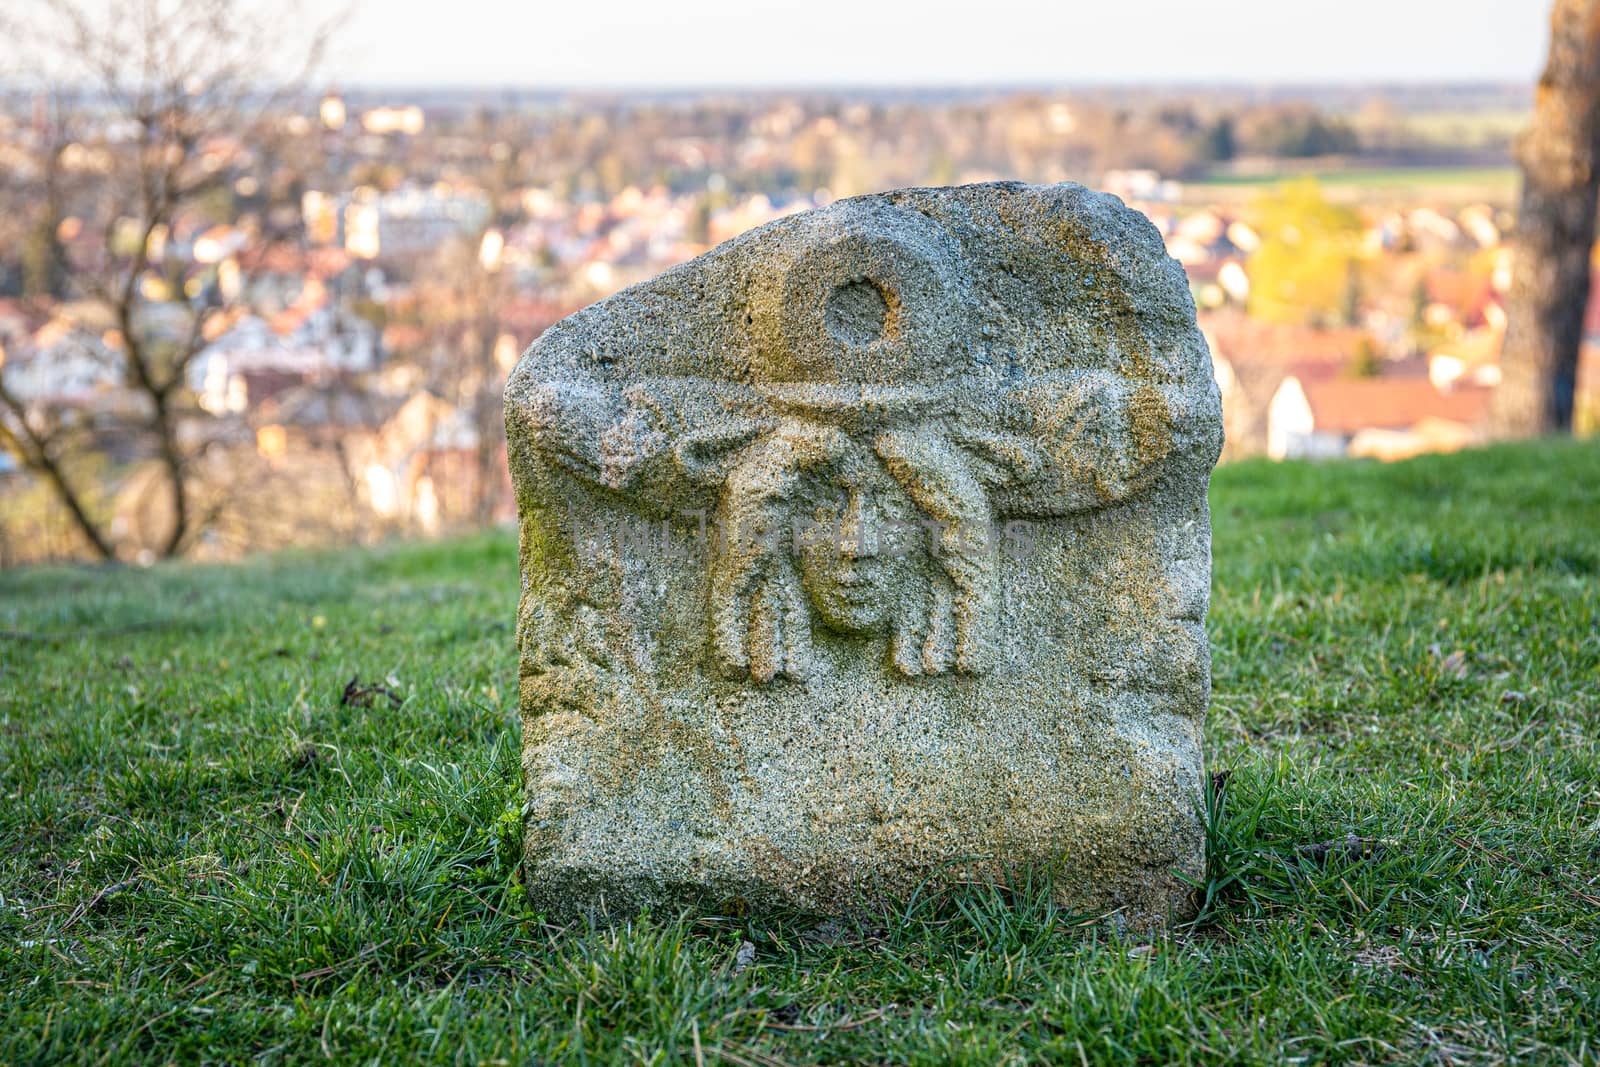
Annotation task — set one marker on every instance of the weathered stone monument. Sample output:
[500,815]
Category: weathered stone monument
[871,550]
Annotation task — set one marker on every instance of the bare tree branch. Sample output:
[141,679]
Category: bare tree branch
[166,85]
[36,448]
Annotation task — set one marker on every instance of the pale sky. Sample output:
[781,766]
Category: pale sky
[676,43]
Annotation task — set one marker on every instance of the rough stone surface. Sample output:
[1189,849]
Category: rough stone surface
[867,550]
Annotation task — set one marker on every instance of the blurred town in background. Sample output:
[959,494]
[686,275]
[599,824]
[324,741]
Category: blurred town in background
[357,272]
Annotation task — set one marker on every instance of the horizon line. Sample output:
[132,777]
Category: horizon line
[1218,84]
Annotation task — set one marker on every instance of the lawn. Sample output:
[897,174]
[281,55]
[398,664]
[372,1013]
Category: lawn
[215,847]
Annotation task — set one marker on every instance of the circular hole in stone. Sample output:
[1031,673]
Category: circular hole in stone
[857,313]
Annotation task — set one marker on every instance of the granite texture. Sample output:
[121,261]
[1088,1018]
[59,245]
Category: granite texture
[867,550]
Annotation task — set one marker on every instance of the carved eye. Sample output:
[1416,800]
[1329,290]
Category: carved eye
[857,313]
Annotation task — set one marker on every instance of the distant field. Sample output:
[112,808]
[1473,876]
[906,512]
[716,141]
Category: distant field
[1466,127]
[1378,183]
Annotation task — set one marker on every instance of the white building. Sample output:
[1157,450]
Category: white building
[408,221]
[1386,418]
[62,363]
[303,344]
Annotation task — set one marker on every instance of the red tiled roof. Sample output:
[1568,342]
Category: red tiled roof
[525,318]
[327,262]
[283,258]
[1462,291]
[275,258]
[1344,405]
[1241,339]
[403,337]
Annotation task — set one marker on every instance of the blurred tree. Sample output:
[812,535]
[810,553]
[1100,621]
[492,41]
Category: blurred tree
[1350,304]
[42,275]
[1380,125]
[1364,361]
[1218,145]
[42,259]
[173,84]
[1419,304]
[462,301]
[1560,157]
[1296,131]
[467,288]
[699,226]
[1308,268]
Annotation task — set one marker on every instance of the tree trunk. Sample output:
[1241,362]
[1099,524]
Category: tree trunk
[487,414]
[1560,160]
[173,463]
[488,417]
[35,453]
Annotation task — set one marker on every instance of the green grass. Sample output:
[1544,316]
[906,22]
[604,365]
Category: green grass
[204,856]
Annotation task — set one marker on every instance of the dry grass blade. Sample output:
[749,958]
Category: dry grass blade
[850,1024]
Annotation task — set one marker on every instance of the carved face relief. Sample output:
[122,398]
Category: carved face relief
[857,559]
[861,450]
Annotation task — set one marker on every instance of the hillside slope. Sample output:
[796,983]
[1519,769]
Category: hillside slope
[266,812]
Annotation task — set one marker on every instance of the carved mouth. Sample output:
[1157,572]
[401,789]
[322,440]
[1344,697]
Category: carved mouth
[858,585]
[860,573]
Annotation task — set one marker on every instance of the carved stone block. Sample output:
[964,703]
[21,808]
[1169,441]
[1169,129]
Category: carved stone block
[867,550]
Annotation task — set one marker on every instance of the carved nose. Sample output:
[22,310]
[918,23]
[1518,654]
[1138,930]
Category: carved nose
[858,528]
